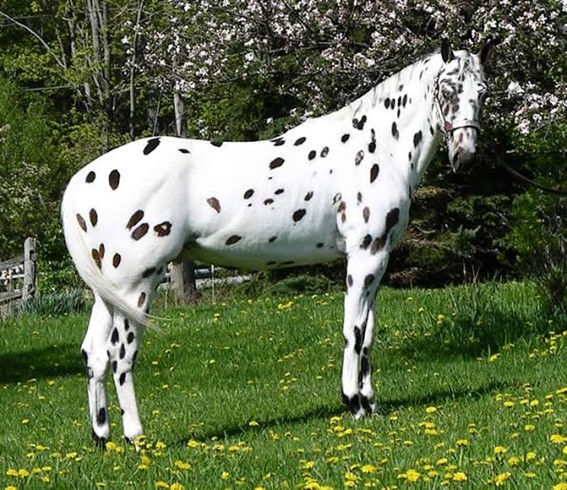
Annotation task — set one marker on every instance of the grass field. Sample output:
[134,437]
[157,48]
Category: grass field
[471,381]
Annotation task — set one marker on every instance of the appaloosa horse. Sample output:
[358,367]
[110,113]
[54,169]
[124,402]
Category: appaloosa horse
[335,186]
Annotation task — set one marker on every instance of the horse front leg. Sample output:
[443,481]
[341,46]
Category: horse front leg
[364,272]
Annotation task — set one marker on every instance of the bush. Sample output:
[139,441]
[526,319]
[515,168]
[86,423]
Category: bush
[55,303]
[539,225]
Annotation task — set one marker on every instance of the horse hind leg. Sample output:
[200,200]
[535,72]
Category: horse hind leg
[123,345]
[94,354]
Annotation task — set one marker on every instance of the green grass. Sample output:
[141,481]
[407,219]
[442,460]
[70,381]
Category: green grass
[471,381]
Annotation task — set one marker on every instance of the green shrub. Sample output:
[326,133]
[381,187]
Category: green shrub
[55,303]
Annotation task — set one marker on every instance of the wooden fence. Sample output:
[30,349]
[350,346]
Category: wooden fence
[18,276]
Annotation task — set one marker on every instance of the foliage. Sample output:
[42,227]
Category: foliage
[55,303]
[107,71]
[29,170]
[246,394]
[539,232]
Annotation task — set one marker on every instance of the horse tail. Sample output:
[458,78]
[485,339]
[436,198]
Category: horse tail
[79,249]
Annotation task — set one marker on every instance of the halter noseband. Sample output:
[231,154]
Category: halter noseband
[448,127]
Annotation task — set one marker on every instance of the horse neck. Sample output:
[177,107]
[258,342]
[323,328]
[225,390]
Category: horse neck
[417,125]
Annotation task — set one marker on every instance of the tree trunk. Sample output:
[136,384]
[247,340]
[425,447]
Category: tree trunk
[183,272]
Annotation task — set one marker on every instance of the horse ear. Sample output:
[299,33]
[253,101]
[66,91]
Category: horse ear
[485,51]
[446,50]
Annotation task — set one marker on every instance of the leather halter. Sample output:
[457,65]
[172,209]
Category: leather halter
[447,127]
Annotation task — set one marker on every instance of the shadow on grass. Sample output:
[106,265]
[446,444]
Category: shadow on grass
[62,360]
[325,412]
[483,324]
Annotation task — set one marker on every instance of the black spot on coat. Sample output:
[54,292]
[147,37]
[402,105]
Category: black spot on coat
[93,216]
[82,222]
[114,179]
[276,162]
[91,176]
[140,231]
[135,219]
[101,416]
[374,171]
[231,240]
[214,203]
[151,145]
[298,215]
[417,138]
[163,229]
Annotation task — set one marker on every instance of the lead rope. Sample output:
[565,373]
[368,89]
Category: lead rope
[518,175]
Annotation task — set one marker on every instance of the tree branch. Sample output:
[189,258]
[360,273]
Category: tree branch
[37,36]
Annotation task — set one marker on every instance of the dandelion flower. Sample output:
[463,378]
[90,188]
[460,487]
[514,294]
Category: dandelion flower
[431,409]
[459,476]
[500,479]
[500,450]
[558,439]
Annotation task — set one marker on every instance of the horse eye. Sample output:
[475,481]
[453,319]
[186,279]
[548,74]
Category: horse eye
[448,92]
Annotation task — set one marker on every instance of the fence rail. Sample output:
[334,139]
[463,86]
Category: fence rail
[18,275]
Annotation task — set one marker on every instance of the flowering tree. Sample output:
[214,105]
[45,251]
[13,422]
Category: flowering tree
[317,55]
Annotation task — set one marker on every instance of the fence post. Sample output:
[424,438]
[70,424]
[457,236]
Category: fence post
[30,277]
[183,281]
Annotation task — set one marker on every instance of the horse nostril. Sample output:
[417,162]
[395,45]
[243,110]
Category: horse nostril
[456,158]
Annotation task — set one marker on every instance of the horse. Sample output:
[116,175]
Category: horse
[336,186]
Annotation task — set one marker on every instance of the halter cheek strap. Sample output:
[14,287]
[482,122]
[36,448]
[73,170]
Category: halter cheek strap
[448,127]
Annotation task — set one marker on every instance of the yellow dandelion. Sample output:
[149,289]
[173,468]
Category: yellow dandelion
[308,465]
[530,456]
[410,475]
[161,484]
[500,450]
[176,486]
[225,475]
[182,465]
[508,404]
[459,476]
[500,479]
[10,487]
[558,439]
[442,461]
[12,472]
[493,357]
[192,444]
[430,409]
[560,486]
[368,468]
[462,442]
[529,427]
[253,423]
[514,461]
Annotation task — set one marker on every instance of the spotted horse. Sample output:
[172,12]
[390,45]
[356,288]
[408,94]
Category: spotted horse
[335,186]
